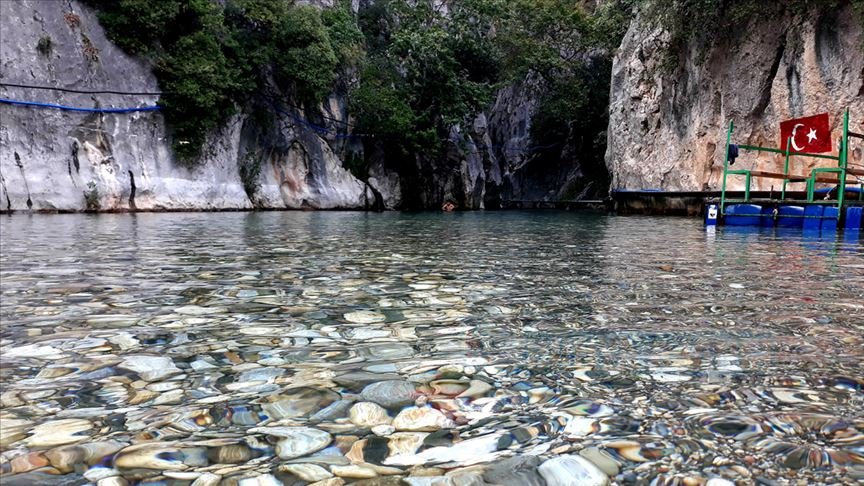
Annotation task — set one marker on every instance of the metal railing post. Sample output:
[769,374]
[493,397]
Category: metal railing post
[786,169]
[844,154]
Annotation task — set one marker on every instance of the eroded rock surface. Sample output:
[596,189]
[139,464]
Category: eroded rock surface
[63,160]
[668,129]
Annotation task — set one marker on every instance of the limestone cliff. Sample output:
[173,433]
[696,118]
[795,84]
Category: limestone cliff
[62,160]
[668,127]
[72,161]
[486,161]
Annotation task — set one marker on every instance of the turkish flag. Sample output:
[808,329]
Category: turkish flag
[810,134]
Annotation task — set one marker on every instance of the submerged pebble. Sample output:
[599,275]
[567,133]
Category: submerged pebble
[59,432]
[390,394]
[150,368]
[572,471]
[367,414]
[430,359]
[296,441]
[421,419]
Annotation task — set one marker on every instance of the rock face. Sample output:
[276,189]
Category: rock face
[493,160]
[668,130]
[74,161]
[62,160]
[487,159]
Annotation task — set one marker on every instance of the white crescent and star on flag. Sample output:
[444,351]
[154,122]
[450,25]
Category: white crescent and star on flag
[811,136]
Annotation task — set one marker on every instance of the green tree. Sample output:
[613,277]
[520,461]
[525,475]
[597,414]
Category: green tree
[304,59]
[344,34]
[412,70]
[428,70]
[213,56]
[138,26]
[201,83]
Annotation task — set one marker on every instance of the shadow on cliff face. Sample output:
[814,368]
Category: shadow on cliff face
[283,164]
[535,143]
[569,130]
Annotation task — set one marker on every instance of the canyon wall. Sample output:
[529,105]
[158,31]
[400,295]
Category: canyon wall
[61,160]
[667,127]
[53,159]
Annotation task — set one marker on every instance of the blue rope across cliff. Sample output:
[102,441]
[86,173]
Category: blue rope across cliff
[73,108]
[322,130]
[319,129]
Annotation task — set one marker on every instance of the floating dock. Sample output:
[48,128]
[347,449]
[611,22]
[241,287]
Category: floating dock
[839,205]
[832,197]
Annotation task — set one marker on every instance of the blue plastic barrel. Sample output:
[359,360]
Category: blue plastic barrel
[743,214]
[853,218]
[813,217]
[829,219]
[790,216]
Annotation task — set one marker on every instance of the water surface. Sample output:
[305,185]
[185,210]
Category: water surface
[171,347]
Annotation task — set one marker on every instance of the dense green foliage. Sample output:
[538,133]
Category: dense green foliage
[571,49]
[428,70]
[212,56]
[425,72]
[415,70]
[411,70]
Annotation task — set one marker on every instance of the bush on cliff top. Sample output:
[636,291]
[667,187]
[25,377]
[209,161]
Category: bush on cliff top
[429,69]
[211,56]
[701,22]
[426,71]
[421,69]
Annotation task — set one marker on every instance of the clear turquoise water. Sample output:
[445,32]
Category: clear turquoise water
[677,351]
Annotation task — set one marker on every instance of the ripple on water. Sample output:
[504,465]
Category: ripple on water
[302,347]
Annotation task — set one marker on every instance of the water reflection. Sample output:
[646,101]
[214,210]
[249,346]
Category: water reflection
[194,348]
